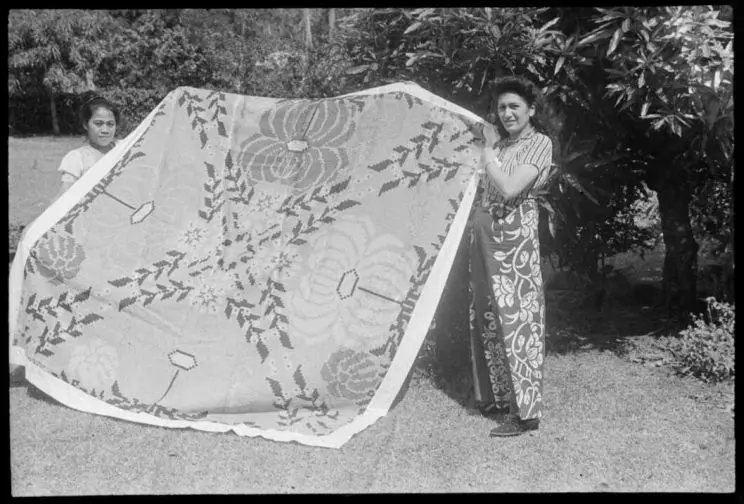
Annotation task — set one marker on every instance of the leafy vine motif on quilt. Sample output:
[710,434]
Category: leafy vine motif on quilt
[154,282]
[118,399]
[440,125]
[97,363]
[257,216]
[300,143]
[299,403]
[211,288]
[356,281]
[271,258]
[360,102]
[59,320]
[193,102]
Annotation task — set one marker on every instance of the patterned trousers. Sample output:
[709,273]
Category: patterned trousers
[507,309]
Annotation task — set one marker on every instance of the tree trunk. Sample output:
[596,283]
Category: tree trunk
[240,78]
[306,15]
[679,285]
[55,120]
[331,23]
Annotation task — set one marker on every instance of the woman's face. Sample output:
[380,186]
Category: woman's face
[101,127]
[514,113]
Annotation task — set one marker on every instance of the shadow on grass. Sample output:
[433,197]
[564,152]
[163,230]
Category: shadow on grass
[571,327]
[17,379]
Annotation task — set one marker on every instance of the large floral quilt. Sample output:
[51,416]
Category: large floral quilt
[264,266]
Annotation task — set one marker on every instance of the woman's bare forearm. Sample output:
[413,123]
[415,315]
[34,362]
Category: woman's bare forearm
[509,184]
[62,189]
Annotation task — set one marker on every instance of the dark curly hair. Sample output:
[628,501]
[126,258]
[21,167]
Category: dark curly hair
[532,94]
[88,108]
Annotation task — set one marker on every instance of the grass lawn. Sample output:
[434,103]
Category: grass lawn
[33,179]
[615,420]
[610,425]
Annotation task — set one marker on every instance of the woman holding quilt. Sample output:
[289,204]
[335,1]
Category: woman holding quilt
[507,311]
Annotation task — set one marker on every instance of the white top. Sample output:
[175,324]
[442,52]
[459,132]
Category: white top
[78,161]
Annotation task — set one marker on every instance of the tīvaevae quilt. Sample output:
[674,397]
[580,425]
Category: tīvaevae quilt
[265,266]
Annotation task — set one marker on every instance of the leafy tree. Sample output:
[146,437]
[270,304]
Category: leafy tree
[150,54]
[263,51]
[55,52]
[240,41]
[669,71]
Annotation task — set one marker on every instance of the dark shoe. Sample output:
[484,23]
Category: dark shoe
[514,426]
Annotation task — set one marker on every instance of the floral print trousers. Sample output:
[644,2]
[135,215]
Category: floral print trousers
[507,309]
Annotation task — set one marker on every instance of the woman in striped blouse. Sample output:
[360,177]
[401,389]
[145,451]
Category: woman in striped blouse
[507,311]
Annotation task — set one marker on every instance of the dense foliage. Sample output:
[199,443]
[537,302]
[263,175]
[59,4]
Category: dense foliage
[53,52]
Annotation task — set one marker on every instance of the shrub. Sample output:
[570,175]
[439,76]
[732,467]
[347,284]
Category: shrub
[14,236]
[705,348]
[15,231]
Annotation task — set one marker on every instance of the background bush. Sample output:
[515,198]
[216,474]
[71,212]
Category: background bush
[29,114]
[705,349]
[14,236]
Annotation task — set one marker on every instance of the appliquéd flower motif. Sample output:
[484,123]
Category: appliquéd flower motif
[300,143]
[354,287]
[58,257]
[351,375]
[95,364]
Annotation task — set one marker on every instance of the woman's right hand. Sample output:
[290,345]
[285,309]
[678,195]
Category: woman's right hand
[490,156]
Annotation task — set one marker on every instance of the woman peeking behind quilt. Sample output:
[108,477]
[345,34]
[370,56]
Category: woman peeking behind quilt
[100,118]
[507,310]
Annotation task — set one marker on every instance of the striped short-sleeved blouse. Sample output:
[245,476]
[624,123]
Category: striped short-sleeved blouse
[531,148]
